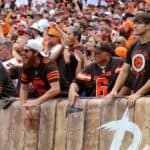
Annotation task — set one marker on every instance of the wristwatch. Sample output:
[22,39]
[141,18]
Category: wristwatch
[66,47]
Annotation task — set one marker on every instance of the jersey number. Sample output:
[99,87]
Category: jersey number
[101,86]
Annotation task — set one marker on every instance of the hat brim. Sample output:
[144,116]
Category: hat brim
[43,54]
[40,52]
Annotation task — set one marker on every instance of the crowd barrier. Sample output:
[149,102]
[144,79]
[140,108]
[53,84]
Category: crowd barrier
[102,125]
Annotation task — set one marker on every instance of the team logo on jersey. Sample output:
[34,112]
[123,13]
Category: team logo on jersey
[138,62]
[39,86]
[139,59]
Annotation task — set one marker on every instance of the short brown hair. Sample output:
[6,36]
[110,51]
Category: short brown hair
[6,43]
[142,17]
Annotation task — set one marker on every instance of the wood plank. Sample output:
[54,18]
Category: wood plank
[92,122]
[5,124]
[142,119]
[32,133]
[108,113]
[17,129]
[47,125]
[61,126]
[75,128]
[121,110]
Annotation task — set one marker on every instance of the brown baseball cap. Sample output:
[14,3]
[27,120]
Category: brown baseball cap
[142,17]
[106,47]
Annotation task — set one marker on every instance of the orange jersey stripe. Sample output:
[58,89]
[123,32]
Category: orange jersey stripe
[56,77]
[52,73]
[84,76]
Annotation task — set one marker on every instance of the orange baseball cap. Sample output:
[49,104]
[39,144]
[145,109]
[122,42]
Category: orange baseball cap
[54,32]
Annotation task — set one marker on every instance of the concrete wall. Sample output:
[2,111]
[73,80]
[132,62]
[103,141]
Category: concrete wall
[51,130]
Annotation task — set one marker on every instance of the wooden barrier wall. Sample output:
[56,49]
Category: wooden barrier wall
[51,130]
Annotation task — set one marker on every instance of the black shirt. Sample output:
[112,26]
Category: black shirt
[67,72]
[15,73]
[40,77]
[138,57]
[7,88]
[96,80]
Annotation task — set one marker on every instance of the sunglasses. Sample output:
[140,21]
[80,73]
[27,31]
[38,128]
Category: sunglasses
[53,36]
[27,50]
[118,42]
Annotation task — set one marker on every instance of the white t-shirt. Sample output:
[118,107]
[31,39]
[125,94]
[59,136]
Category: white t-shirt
[21,3]
[93,2]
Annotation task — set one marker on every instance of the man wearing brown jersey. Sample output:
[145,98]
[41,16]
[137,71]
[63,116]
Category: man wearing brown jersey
[138,61]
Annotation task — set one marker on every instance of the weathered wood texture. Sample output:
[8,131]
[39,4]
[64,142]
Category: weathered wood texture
[17,130]
[142,118]
[75,128]
[128,136]
[47,125]
[52,130]
[92,122]
[61,126]
[32,133]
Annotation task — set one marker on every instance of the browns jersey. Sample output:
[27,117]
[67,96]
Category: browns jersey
[97,80]
[138,57]
[40,77]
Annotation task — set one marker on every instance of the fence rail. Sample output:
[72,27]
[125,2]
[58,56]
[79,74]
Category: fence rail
[51,130]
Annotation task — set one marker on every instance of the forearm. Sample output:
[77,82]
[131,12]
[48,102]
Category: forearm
[55,52]
[73,93]
[77,8]
[73,88]
[23,93]
[48,95]
[144,89]
[121,79]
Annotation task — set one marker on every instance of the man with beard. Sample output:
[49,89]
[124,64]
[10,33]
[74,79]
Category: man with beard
[42,73]
[137,61]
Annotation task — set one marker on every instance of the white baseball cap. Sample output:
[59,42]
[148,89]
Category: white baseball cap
[35,26]
[108,13]
[43,24]
[116,16]
[36,45]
